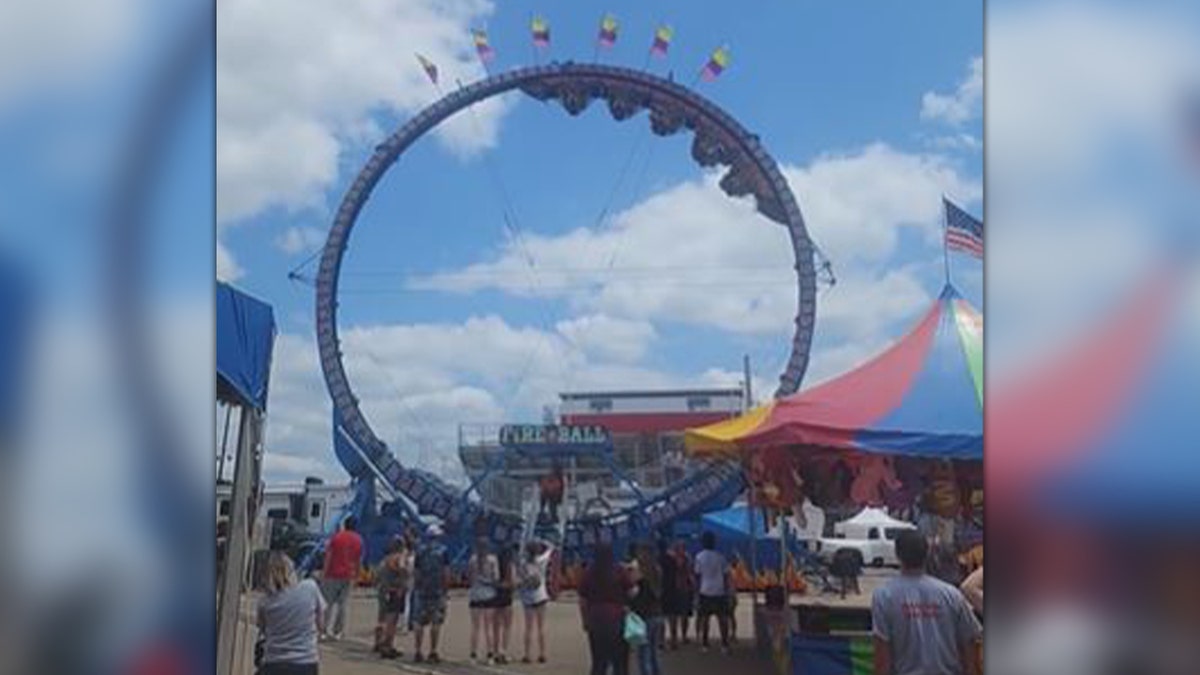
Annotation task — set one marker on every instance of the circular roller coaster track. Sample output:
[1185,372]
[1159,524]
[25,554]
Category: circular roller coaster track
[718,140]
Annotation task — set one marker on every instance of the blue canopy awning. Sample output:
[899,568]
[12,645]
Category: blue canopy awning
[245,339]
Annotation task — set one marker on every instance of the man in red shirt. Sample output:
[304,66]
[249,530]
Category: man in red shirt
[343,557]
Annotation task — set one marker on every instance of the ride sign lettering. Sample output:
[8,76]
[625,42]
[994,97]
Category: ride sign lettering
[554,434]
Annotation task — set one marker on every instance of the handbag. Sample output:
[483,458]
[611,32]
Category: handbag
[481,594]
[635,629]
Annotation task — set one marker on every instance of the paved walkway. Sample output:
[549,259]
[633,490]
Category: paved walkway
[565,643]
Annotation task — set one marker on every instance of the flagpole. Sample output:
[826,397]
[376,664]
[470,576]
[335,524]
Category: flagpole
[945,235]
[596,46]
[533,45]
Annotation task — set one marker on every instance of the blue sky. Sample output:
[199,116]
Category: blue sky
[871,109]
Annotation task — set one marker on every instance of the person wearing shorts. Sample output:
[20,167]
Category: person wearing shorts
[534,594]
[502,611]
[392,579]
[483,576]
[430,571]
[713,572]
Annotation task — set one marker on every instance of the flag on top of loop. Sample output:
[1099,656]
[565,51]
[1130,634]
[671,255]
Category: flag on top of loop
[717,63]
[662,40]
[963,231]
[541,32]
[608,31]
[431,70]
[482,46]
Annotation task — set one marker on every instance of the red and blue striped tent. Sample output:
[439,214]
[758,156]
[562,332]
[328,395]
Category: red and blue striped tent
[1110,430]
[922,397]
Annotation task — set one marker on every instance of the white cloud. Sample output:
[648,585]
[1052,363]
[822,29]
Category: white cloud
[296,240]
[961,142]
[608,338]
[864,306]
[963,105]
[857,203]
[690,254]
[298,82]
[418,382]
[227,267]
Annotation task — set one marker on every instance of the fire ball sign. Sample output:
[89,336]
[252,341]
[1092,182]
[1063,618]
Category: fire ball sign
[526,435]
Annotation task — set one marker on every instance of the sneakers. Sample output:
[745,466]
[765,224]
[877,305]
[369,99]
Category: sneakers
[434,658]
[541,659]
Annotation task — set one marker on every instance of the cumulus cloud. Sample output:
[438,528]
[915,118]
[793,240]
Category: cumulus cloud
[296,240]
[608,338]
[418,382]
[692,255]
[962,105]
[962,142]
[857,203]
[298,84]
[227,267]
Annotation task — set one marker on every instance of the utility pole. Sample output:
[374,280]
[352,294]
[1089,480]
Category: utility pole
[746,381]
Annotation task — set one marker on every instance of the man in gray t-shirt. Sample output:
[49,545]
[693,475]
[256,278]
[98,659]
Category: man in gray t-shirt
[922,625]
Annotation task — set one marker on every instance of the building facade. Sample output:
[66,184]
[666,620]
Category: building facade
[646,454]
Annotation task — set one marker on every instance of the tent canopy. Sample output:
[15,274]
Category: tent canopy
[245,339]
[873,517]
[921,397]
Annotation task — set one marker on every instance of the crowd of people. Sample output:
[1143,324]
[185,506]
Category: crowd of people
[636,607]
[639,606]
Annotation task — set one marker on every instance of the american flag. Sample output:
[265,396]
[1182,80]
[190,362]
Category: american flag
[963,232]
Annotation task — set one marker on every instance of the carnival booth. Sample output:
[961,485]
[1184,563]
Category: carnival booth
[902,433]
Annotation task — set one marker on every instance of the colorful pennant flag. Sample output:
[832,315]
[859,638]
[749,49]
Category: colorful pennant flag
[608,31]
[717,63]
[662,40]
[541,32]
[482,46]
[963,231]
[431,69]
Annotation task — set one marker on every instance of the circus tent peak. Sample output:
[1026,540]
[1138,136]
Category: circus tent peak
[922,396]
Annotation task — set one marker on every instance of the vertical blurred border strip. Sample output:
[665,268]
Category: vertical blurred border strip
[177,518]
[16,319]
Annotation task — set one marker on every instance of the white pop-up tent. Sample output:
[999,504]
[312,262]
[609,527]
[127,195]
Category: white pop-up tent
[870,518]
